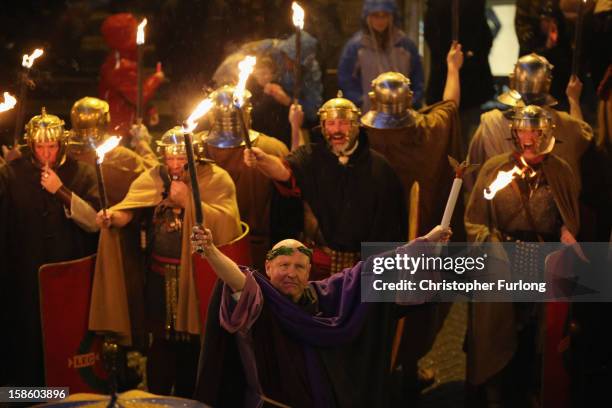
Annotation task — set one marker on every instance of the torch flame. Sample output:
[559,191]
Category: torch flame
[140,36]
[28,60]
[202,109]
[298,15]
[505,177]
[9,102]
[108,145]
[246,67]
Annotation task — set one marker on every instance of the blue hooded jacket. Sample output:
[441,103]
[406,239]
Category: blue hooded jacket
[356,53]
[311,91]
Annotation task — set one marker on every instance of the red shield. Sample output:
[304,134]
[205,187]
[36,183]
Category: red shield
[238,250]
[73,355]
[556,378]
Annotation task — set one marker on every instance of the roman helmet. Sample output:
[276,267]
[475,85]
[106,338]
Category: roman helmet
[90,119]
[391,99]
[227,129]
[47,128]
[530,83]
[533,117]
[340,108]
[172,143]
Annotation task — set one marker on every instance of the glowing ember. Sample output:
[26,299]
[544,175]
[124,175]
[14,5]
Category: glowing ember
[202,109]
[9,102]
[246,67]
[28,60]
[298,15]
[108,145]
[505,177]
[140,36]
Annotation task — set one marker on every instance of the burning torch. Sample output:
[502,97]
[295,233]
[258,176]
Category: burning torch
[140,40]
[504,178]
[108,145]
[246,67]
[298,22]
[188,128]
[9,102]
[27,62]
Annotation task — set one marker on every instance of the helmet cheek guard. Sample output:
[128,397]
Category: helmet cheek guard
[533,117]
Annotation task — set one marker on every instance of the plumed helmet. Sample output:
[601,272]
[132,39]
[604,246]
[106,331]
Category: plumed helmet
[340,108]
[227,130]
[530,82]
[533,117]
[90,119]
[47,128]
[391,99]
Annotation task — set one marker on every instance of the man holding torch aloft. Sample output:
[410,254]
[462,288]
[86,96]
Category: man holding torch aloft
[530,84]
[224,143]
[350,193]
[538,204]
[161,198]
[416,144]
[47,202]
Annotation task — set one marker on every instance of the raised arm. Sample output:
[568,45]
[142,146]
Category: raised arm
[454,61]
[573,92]
[226,269]
[296,119]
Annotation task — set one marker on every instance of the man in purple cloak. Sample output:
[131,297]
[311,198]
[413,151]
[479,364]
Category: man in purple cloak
[299,343]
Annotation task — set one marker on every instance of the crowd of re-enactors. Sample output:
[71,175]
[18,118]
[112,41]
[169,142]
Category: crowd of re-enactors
[257,303]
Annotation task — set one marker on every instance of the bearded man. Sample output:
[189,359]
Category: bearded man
[350,192]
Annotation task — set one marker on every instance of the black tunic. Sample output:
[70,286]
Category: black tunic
[35,231]
[358,202]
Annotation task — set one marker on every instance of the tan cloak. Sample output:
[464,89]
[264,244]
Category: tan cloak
[253,190]
[111,296]
[120,168]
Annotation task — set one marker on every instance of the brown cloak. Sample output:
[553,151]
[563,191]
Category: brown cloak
[419,153]
[493,137]
[491,332]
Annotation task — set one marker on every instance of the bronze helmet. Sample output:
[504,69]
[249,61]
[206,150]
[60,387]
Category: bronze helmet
[172,143]
[226,128]
[391,99]
[47,128]
[90,119]
[530,83]
[340,108]
[533,117]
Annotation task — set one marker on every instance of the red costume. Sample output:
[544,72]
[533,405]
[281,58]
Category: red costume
[118,83]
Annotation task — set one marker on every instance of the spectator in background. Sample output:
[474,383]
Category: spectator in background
[118,83]
[380,46]
[275,74]
[541,28]
[476,39]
